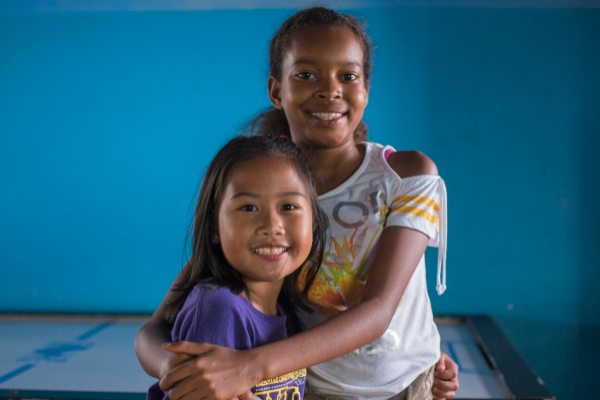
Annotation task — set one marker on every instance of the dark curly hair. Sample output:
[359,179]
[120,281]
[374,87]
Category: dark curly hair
[274,121]
[207,263]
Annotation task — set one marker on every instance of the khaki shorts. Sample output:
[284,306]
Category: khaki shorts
[419,389]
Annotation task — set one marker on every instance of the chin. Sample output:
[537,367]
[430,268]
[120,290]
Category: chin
[325,142]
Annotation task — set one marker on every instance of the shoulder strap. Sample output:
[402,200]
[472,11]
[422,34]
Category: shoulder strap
[387,153]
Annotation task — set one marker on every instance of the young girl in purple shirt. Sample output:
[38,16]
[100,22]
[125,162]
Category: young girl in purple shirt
[255,223]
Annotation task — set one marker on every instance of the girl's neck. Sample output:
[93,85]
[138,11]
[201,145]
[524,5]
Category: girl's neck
[333,166]
[263,296]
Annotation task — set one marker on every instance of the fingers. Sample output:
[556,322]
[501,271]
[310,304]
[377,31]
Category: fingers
[444,389]
[248,395]
[446,368]
[211,375]
[440,395]
[194,349]
[451,365]
[177,374]
[190,388]
[186,394]
[445,383]
[440,366]
[444,396]
[446,375]
[173,360]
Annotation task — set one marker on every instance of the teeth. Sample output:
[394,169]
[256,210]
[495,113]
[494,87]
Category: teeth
[270,250]
[327,116]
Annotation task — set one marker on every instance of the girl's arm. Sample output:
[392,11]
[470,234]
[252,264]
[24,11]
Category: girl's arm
[155,360]
[221,373]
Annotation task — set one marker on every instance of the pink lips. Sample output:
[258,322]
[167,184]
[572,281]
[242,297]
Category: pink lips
[271,257]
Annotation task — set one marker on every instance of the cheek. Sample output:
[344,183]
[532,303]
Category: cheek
[361,98]
[231,245]
[227,235]
[294,95]
[305,237]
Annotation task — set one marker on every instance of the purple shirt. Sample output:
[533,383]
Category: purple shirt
[220,317]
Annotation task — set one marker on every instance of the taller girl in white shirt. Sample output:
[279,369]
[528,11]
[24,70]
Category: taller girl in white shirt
[372,334]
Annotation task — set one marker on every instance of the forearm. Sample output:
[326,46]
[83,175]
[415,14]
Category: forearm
[148,346]
[149,340]
[359,325]
[351,329]
[222,373]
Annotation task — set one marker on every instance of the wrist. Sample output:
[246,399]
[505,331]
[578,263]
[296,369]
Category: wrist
[257,365]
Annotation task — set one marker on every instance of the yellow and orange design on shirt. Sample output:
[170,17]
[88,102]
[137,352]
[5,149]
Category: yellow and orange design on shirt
[343,273]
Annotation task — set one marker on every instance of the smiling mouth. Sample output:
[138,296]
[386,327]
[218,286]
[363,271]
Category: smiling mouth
[270,251]
[327,116]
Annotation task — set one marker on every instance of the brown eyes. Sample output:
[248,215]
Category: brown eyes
[310,75]
[253,208]
[304,75]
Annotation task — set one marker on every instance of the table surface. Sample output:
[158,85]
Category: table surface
[93,358]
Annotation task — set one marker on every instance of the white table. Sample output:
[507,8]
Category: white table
[92,357]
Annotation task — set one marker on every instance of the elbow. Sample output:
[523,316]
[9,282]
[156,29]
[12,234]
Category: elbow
[383,326]
[144,346]
[139,346]
[378,331]
[382,317]
[137,342]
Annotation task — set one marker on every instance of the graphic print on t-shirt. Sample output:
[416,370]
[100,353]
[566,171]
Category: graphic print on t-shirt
[285,387]
[359,210]
[341,279]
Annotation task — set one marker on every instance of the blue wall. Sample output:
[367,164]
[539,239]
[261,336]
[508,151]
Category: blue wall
[107,121]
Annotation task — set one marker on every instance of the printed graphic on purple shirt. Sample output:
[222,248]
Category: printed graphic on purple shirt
[284,387]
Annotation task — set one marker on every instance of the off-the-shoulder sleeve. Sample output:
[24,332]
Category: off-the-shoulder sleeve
[420,203]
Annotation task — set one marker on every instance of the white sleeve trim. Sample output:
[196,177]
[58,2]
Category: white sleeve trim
[440,286]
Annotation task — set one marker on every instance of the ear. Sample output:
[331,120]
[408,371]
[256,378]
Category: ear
[274,89]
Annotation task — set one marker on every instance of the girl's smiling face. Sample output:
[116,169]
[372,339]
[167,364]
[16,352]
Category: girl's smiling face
[265,220]
[322,91]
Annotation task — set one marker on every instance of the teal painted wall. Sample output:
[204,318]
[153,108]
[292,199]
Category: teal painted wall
[107,121]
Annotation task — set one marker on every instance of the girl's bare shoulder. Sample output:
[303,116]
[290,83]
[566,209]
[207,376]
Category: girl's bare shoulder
[411,163]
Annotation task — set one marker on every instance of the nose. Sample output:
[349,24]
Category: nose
[271,224]
[330,88]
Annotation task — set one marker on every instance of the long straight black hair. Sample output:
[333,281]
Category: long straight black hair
[207,263]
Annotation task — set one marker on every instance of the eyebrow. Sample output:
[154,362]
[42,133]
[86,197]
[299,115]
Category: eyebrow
[312,62]
[255,195]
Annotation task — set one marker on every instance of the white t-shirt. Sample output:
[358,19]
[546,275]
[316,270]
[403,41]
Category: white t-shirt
[359,210]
